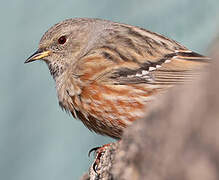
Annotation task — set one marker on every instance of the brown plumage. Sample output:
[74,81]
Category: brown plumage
[108,73]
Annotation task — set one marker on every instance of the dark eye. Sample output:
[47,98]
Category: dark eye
[62,40]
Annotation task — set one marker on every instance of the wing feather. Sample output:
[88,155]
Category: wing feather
[132,55]
[172,69]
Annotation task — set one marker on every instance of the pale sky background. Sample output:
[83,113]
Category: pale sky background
[39,141]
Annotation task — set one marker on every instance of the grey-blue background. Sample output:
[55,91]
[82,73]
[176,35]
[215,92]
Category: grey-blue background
[37,139]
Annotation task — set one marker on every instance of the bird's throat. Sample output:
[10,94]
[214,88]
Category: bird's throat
[55,69]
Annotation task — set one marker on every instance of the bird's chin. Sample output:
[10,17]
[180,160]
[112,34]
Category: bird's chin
[47,61]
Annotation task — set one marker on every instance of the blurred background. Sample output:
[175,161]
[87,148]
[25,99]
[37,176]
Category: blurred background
[37,139]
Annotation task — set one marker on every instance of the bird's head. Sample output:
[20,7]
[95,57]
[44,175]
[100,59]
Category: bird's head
[62,44]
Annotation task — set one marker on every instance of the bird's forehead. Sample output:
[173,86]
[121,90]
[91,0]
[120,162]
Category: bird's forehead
[78,28]
[56,30]
[64,28]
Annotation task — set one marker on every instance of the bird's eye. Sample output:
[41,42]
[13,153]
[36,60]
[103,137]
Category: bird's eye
[62,40]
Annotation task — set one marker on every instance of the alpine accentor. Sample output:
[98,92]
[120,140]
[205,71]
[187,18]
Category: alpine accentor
[108,73]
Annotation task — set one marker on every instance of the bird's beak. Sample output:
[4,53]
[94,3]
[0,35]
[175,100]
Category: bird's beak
[39,54]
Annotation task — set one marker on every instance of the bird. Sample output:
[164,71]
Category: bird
[107,74]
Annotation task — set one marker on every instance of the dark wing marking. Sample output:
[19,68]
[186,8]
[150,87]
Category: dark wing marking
[172,69]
